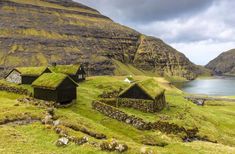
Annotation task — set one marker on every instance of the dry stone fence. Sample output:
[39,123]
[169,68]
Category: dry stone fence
[13,89]
[139,123]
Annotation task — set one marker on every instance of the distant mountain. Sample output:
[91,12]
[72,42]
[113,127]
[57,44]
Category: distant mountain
[223,64]
[40,32]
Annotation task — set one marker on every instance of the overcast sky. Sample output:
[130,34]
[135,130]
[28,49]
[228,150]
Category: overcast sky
[201,29]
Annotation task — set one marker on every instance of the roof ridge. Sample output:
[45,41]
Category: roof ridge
[53,86]
[145,89]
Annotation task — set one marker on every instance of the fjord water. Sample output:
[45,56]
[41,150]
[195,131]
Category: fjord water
[216,86]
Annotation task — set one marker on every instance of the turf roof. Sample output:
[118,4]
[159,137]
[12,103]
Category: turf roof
[149,86]
[50,80]
[66,69]
[31,71]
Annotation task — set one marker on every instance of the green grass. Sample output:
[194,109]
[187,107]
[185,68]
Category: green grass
[49,80]
[34,71]
[51,5]
[217,122]
[66,69]
[128,69]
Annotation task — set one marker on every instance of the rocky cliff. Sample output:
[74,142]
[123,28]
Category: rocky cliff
[39,32]
[223,64]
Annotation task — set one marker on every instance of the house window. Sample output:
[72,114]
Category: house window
[80,76]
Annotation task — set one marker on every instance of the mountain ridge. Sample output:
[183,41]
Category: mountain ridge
[40,32]
[223,64]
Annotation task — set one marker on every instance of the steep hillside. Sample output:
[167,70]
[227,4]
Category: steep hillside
[38,32]
[223,64]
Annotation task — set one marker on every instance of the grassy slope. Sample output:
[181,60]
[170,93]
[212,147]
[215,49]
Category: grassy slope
[217,122]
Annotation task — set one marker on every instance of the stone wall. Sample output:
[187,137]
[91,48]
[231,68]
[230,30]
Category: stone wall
[114,113]
[143,105]
[139,123]
[139,104]
[14,77]
[150,106]
[110,101]
[12,89]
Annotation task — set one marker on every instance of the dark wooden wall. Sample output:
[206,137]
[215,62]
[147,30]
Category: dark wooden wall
[61,95]
[45,94]
[66,95]
[67,91]
[28,79]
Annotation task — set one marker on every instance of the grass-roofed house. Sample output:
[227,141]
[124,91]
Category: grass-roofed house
[55,87]
[76,72]
[26,75]
[145,96]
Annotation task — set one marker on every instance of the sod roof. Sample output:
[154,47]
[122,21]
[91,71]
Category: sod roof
[50,80]
[66,69]
[31,71]
[150,87]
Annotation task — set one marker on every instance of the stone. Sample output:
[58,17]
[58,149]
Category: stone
[145,150]
[94,144]
[58,130]
[47,120]
[50,111]
[128,121]
[109,145]
[113,145]
[121,147]
[56,123]
[81,140]
[62,141]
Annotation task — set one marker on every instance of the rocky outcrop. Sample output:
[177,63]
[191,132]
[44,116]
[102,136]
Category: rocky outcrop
[154,54]
[223,64]
[39,33]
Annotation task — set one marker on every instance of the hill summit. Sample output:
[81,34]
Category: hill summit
[40,32]
[223,64]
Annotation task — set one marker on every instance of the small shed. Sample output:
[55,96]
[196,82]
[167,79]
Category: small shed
[76,72]
[146,96]
[55,87]
[26,75]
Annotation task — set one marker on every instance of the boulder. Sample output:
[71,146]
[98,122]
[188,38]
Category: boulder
[62,141]
[56,123]
[113,145]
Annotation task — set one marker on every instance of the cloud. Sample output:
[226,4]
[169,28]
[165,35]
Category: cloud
[198,28]
[202,52]
[142,11]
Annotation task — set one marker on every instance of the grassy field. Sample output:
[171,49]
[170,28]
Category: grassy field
[215,120]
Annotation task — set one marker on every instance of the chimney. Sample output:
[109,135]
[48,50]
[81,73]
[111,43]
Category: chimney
[54,64]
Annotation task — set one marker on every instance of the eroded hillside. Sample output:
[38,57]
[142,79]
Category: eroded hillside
[223,64]
[38,32]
